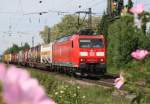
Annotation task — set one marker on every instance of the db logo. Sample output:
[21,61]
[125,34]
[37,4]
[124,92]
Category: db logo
[92,53]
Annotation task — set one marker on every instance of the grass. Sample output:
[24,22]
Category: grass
[66,93]
[99,95]
[136,74]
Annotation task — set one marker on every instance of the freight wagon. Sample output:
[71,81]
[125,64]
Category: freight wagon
[6,58]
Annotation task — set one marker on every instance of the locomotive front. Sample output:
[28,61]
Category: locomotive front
[92,54]
[83,53]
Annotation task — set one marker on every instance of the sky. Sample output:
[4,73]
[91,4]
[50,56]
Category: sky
[20,21]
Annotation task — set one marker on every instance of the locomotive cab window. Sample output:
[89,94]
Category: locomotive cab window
[91,43]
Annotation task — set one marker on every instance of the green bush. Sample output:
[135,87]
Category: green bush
[123,39]
[68,94]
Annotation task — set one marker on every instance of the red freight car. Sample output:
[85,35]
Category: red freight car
[34,56]
[83,52]
[25,57]
[14,58]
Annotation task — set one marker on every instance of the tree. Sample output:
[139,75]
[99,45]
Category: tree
[69,24]
[103,26]
[145,19]
[14,49]
[95,23]
[26,46]
[130,4]
[122,40]
[44,34]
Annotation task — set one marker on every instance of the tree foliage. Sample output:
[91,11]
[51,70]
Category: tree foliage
[26,46]
[124,38]
[44,34]
[68,25]
[15,48]
[103,25]
[145,19]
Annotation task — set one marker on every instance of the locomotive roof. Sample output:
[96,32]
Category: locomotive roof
[82,32]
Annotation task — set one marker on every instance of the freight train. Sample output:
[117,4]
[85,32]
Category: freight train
[82,53]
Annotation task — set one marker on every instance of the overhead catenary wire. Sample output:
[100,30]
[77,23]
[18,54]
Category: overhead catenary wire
[65,4]
[92,5]
[28,14]
[43,12]
[20,10]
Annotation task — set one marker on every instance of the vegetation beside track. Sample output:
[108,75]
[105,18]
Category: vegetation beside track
[66,93]
[137,79]
[124,38]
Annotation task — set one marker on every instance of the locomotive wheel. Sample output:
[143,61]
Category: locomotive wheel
[71,71]
[65,70]
[77,73]
[68,72]
[53,68]
[57,68]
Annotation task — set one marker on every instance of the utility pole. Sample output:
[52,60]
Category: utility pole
[32,41]
[90,18]
[109,7]
[21,44]
[48,35]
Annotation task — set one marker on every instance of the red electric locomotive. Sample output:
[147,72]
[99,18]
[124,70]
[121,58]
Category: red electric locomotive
[83,53]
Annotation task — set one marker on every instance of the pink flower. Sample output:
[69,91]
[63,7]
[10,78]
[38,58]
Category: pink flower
[119,82]
[139,54]
[20,88]
[138,9]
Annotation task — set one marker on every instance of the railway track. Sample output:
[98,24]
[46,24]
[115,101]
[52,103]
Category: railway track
[106,80]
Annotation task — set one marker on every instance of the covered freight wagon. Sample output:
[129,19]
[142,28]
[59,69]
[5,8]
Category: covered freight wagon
[46,53]
[7,58]
[20,57]
[34,56]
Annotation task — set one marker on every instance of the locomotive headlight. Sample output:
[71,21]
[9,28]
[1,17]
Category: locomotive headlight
[82,60]
[100,54]
[101,60]
[83,53]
